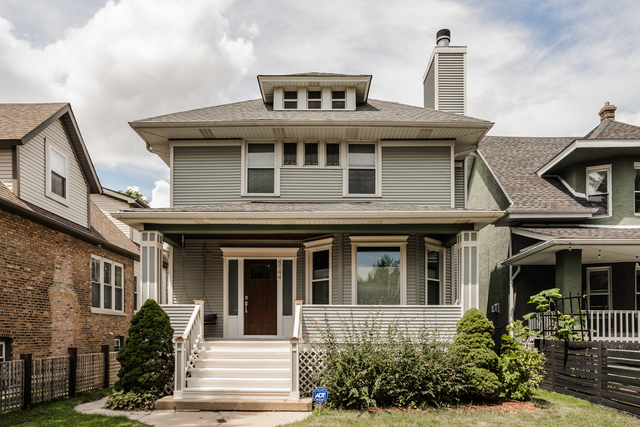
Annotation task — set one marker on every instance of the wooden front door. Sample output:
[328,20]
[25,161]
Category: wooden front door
[260,297]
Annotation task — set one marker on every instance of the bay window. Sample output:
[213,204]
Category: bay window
[107,286]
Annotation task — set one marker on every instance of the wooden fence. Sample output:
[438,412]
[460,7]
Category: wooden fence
[606,373]
[29,381]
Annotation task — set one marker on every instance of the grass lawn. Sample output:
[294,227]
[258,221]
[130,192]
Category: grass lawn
[61,413]
[559,411]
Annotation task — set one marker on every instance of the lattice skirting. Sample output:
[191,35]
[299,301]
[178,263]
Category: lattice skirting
[311,363]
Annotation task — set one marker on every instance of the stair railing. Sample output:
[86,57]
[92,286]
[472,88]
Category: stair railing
[295,351]
[186,347]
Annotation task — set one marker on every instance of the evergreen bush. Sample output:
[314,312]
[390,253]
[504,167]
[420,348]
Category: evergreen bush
[147,359]
[474,342]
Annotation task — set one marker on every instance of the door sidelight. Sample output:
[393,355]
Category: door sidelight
[246,303]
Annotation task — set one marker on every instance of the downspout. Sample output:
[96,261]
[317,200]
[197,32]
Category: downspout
[512,278]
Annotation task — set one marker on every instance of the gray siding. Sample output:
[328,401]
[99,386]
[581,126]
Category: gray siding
[448,276]
[346,272]
[33,171]
[430,88]
[6,167]
[108,205]
[459,187]
[336,297]
[420,268]
[301,279]
[179,316]
[451,82]
[411,273]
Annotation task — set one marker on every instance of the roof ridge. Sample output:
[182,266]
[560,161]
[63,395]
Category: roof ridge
[598,130]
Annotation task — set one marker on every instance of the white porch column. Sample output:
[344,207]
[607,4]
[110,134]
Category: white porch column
[151,266]
[468,286]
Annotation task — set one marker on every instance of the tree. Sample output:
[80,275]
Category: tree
[147,360]
[133,191]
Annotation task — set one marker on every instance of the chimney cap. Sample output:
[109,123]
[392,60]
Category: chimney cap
[607,112]
[443,37]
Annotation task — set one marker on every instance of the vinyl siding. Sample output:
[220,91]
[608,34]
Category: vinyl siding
[346,271]
[459,187]
[136,272]
[412,273]
[430,88]
[448,276]
[33,171]
[109,205]
[451,82]
[6,167]
[336,298]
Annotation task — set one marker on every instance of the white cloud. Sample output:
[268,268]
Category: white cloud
[160,195]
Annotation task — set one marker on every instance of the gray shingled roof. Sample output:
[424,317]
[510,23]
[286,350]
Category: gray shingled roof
[611,129]
[515,160]
[256,110]
[17,120]
[586,232]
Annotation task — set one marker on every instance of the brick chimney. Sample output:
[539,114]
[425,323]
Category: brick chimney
[607,112]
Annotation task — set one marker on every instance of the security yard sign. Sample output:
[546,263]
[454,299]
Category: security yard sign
[320,395]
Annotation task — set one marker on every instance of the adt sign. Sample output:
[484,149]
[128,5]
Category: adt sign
[320,395]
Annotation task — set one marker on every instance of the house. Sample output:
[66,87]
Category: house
[312,201]
[66,276]
[571,221]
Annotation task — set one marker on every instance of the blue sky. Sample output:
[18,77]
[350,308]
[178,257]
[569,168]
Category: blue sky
[534,67]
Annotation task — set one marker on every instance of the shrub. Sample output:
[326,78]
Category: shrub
[146,359]
[473,340]
[131,401]
[563,327]
[522,367]
[370,365]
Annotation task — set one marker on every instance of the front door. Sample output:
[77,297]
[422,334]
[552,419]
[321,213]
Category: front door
[260,297]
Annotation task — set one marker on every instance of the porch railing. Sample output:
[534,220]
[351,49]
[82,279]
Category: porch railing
[295,351]
[614,325]
[186,347]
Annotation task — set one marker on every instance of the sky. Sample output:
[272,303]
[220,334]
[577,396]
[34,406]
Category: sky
[534,67]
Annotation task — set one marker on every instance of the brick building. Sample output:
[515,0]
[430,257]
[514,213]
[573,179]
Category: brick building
[66,270]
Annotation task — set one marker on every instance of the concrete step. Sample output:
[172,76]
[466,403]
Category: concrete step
[242,363]
[234,404]
[244,353]
[240,383]
[236,393]
[208,345]
[228,372]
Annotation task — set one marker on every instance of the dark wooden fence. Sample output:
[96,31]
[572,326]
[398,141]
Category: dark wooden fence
[606,373]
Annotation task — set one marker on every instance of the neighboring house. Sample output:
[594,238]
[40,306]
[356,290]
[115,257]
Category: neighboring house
[66,271]
[313,192]
[571,221]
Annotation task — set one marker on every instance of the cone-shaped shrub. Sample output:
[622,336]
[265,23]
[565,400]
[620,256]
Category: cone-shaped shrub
[474,340]
[146,360]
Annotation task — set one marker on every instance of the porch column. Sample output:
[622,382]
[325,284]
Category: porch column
[151,266]
[569,272]
[467,247]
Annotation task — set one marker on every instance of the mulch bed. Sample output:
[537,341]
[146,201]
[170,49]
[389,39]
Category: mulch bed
[500,404]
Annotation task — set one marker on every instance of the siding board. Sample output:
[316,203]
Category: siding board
[108,205]
[459,187]
[6,168]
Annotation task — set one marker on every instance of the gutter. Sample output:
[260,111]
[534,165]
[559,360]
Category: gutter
[311,123]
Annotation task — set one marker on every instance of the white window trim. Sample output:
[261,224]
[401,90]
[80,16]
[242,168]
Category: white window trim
[50,194]
[636,166]
[118,346]
[636,285]
[608,293]
[340,154]
[136,293]
[371,241]
[339,99]
[310,248]
[3,351]
[433,246]
[320,154]
[299,155]
[346,168]
[601,168]
[314,89]
[112,311]
[277,152]
[284,99]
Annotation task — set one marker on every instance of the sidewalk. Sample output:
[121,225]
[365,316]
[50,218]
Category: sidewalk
[171,418]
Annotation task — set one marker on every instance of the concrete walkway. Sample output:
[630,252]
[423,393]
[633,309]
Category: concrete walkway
[171,418]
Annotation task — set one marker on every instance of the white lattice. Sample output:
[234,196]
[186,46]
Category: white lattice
[311,363]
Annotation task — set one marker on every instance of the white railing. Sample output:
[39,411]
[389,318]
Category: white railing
[295,351]
[186,347]
[614,325]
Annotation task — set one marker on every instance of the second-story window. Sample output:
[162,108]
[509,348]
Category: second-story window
[290,153]
[599,189]
[636,187]
[57,174]
[290,99]
[362,169]
[311,154]
[314,101]
[260,169]
[338,99]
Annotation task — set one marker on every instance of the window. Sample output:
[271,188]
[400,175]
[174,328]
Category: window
[116,344]
[57,167]
[3,351]
[135,293]
[338,99]
[598,189]
[333,154]
[320,277]
[599,287]
[314,101]
[290,156]
[379,274]
[434,280]
[311,154]
[362,169]
[636,187]
[637,288]
[290,99]
[261,171]
[107,286]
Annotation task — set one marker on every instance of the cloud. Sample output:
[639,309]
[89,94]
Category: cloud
[161,195]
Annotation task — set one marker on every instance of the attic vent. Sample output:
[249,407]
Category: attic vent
[278,133]
[206,133]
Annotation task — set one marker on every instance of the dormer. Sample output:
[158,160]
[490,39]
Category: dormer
[315,91]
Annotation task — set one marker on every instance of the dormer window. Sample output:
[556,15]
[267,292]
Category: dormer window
[338,99]
[290,100]
[314,101]
[57,173]
[598,189]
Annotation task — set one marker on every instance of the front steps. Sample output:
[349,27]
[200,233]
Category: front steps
[240,371]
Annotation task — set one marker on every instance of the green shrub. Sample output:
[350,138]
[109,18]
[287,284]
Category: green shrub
[131,401]
[368,365]
[474,342]
[522,367]
[146,359]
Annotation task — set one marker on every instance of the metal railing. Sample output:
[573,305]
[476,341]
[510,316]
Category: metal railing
[186,347]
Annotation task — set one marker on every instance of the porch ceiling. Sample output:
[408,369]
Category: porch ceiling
[594,251]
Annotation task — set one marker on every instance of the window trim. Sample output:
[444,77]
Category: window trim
[3,351]
[341,162]
[310,248]
[339,89]
[636,167]
[384,241]
[608,293]
[284,98]
[49,147]
[377,167]
[601,168]
[101,309]
[277,162]
[321,159]
[637,293]
[298,154]
[314,89]
[434,246]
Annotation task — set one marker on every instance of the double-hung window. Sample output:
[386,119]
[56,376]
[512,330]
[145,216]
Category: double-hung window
[338,99]
[107,286]
[57,172]
[435,272]
[314,99]
[318,255]
[362,159]
[636,188]
[290,99]
[599,288]
[261,171]
[599,189]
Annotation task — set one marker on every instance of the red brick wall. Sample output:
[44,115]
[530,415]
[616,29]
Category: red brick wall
[45,291]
